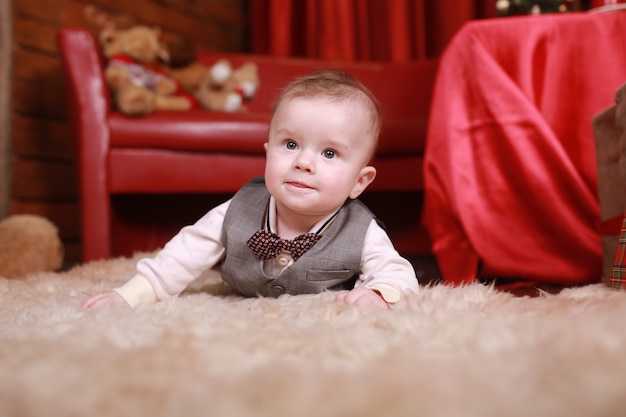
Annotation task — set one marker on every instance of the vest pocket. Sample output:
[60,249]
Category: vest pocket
[332,280]
[337,276]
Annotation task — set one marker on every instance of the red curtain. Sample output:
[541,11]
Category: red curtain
[362,30]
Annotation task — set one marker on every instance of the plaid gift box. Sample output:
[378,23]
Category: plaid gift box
[618,277]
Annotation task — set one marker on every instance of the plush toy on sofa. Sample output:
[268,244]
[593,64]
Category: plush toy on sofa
[179,52]
[139,86]
[225,89]
[135,53]
[28,244]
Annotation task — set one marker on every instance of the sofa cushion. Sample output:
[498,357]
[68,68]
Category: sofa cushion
[202,131]
[195,130]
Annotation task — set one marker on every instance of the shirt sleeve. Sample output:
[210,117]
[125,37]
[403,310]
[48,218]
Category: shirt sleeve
[186,256]
[382,267]
[137,291]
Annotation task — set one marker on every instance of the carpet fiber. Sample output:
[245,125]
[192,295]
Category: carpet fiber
[469,351]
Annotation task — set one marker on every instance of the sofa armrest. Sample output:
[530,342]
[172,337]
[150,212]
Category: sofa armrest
[89,102]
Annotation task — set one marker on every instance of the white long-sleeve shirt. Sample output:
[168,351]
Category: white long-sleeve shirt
[199,247]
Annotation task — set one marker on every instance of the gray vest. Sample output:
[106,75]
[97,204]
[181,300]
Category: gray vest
[333,263]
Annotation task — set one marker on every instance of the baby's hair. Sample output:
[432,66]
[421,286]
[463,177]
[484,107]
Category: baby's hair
[334,85]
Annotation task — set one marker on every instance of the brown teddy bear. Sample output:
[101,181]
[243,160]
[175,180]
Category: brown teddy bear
[146,74]
[29,244]
[138,84]
[225,89]
[179,52]
[137,64]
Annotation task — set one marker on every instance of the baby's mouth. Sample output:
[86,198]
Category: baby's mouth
[300,185]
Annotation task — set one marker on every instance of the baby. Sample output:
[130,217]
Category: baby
[299,229]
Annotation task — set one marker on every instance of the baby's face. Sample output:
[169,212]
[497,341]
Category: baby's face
[317,155]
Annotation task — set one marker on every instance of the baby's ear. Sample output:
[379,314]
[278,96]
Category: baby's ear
[365,178]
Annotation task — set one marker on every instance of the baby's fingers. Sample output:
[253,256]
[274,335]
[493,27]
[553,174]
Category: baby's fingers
[341,297]
[101,299]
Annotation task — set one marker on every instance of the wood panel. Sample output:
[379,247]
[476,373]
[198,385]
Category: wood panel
[35,35]
[62,214]
[42,138]
[39,179]
[43,178]
[37,68]
[37,100]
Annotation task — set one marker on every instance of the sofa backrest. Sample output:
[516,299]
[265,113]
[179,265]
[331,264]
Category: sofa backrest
[403,89]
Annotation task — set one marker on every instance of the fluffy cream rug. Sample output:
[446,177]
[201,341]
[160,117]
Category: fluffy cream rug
[468,351]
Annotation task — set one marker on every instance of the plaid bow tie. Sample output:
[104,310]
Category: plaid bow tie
[267,245]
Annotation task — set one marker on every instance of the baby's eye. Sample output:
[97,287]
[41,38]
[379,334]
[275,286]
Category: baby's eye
[329,153]
[290,144]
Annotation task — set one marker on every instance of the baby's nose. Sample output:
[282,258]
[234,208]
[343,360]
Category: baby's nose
[305,162]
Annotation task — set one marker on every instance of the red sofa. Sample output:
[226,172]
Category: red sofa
[143,178]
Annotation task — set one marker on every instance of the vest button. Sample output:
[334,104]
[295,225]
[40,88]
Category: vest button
[283,261]
[278,289]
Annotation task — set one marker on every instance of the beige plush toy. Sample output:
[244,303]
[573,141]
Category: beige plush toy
[29,244]
[178,52]
[225,89]
[138,84]
[104,28]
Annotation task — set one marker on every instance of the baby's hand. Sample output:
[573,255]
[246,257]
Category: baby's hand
[362,296]
[102,299]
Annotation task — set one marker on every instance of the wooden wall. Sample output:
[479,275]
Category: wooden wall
[43,179]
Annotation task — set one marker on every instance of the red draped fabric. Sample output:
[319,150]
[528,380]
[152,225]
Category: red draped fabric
[510,166]
[364,30]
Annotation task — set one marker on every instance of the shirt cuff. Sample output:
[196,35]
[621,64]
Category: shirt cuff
[137,290]
[389,293]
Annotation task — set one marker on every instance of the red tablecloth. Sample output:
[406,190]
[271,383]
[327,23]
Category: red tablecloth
[510,167]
